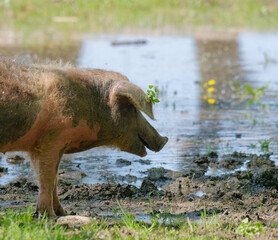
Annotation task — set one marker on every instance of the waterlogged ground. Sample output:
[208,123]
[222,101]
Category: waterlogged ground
[182,69]
[219,106]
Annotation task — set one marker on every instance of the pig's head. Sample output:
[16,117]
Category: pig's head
[132,130]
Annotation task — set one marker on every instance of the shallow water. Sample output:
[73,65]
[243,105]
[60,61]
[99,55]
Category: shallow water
[181,67]
[167,219]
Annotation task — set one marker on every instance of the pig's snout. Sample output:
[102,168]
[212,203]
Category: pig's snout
[154,143]
[150,137]
[163,141]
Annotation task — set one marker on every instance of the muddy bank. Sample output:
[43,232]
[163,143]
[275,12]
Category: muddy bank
[251,193]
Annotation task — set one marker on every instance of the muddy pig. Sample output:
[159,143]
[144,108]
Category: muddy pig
[51,110]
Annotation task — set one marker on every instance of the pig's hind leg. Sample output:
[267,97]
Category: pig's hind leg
[46,164]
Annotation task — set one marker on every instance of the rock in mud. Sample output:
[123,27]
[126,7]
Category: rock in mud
[74,221]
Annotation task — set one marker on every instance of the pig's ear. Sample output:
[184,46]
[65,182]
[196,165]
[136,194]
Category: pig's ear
[135,96]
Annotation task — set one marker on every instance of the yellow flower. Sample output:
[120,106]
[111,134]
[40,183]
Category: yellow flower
[205,97]
[205,85]
[211,82]
[211,89]
[211,101]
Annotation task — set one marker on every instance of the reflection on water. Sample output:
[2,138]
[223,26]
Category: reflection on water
[182,69]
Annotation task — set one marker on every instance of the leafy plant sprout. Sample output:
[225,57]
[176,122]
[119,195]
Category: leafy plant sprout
[255,95]
[153,94]
[265,145]
[251,96]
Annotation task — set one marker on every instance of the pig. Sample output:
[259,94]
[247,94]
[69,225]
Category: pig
[50,110]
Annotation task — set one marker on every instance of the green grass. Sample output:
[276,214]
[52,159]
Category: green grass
[15,224]
[21,225]
[36,19]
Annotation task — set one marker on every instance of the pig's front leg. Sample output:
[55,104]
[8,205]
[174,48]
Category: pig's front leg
[46,159]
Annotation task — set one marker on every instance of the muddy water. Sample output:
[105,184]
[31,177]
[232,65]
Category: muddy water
[182,69]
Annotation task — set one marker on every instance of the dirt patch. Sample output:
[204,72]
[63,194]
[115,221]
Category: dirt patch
[251,194]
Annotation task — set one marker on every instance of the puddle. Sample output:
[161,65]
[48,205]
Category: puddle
[200,194]
[182,69]
[166,218]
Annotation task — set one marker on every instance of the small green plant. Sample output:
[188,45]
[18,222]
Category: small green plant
[255,95]
[153,95]
[128,219]
[155,216]
[252,146]
[265,145]
[208,147]
[204,214]
[248,229]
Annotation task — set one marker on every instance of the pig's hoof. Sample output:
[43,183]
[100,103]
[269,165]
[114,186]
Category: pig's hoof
[59,211]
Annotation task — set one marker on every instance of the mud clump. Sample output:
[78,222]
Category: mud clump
[122,162]
[22,185]
[266,178]
[148,187]
[263,170]
[162,175]
[76,175]
[239,155]
[143,162]
[98,192]
[261,161]
[157,174]
[127,178]
[230,163]
[15,159]
[202,161]
[243,175]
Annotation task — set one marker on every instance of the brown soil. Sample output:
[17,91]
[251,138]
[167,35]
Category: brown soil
[249,194]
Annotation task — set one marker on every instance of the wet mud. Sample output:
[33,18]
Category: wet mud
[251,193]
